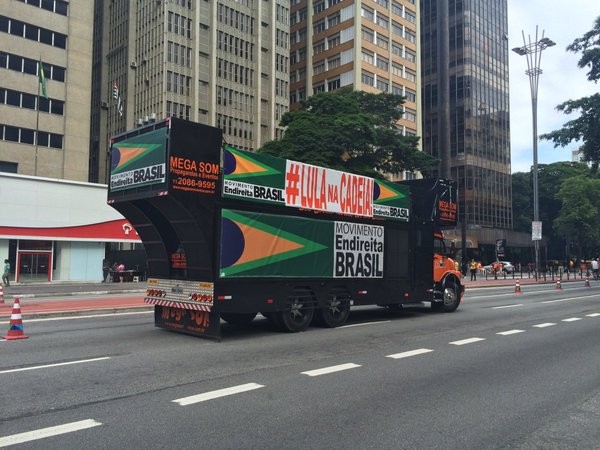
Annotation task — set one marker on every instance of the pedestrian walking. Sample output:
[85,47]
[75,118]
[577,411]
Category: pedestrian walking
[473,268]
[6,273]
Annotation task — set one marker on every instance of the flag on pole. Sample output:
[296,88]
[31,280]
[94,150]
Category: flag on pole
[117,97]
[42,79]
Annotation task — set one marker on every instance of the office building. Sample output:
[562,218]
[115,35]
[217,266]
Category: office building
[221,63]
[369,45]
[466,110]
[45,135]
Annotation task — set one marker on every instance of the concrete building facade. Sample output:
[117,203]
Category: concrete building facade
[369,45]
[220,63]
[45,136]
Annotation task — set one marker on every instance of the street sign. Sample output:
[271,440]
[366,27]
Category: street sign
[536,230]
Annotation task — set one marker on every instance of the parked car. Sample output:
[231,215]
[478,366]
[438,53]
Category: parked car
[507,267]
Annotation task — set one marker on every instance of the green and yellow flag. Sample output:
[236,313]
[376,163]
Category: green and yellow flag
[42,78]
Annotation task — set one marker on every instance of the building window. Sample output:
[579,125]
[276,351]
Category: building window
[319,47]
[367,13]
[332,85]
[333,41]
[368,78]
[382,84]
[333,62]
[368,57]
[410,95]
[333,20]
[382,21]
[319,26]
[319,67]
[368,35]
[382,63]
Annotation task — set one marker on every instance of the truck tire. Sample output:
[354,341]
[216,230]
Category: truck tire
[239,319]
[335,313]
[296,316]
[450,300]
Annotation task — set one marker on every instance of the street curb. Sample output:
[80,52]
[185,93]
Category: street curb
[70,294]
[81,312]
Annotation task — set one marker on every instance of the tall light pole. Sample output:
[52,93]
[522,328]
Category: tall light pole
[533,52]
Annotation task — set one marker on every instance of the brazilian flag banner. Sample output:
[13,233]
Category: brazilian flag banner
[139,161]
[265,245]
[266,179]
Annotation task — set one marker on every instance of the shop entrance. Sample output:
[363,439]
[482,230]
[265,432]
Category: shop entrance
[33,266]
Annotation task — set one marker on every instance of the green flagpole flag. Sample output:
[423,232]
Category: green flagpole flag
[42,79]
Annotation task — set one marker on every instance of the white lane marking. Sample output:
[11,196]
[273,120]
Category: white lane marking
[409,353]
[363,324]
[593,315]
[47,432]
[559,300]
[507,306]
[572,319]
[509,332]
[467,341]
[544,325]
[45,366]
[331,369]
[216,394]
[89,316]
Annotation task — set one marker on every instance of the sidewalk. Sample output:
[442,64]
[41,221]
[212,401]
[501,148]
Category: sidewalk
[67,298]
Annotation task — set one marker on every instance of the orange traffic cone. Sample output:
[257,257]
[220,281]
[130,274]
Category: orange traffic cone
[15,329]
[558,286]
[1,295]
[587,282]
[517,287]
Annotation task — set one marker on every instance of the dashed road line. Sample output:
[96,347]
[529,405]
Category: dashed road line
[544,325]
[467,341]
[572,319]
[47,432]
[184,401]
[593,315]
[509,332]
[363,324]
[410,353]
[45,366]
[507,306]
[331,369]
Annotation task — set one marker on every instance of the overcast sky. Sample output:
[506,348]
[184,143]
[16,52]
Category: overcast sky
[561,79]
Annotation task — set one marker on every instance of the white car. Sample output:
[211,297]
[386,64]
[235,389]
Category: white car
[507,267]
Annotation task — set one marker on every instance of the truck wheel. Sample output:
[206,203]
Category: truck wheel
[335,313]
[450,301]
[239,319]
[296,317]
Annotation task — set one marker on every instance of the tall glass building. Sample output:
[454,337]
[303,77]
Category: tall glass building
[465,97]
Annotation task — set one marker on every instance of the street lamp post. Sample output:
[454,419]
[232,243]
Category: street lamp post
[533,52]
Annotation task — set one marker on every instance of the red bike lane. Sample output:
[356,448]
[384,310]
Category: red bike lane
[40,307]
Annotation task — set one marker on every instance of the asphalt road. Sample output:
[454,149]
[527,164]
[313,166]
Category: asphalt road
[504,371]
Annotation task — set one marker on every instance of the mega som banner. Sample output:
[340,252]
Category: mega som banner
[266,245]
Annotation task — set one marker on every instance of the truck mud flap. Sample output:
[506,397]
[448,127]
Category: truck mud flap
[196,323]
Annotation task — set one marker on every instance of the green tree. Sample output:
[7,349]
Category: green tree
[586,128]
[550,176]
[350,130]
[578,220]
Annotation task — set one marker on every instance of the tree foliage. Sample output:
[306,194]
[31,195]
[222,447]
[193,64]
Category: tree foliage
[578,219]
[550,178]
[586,128]
[350,130]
